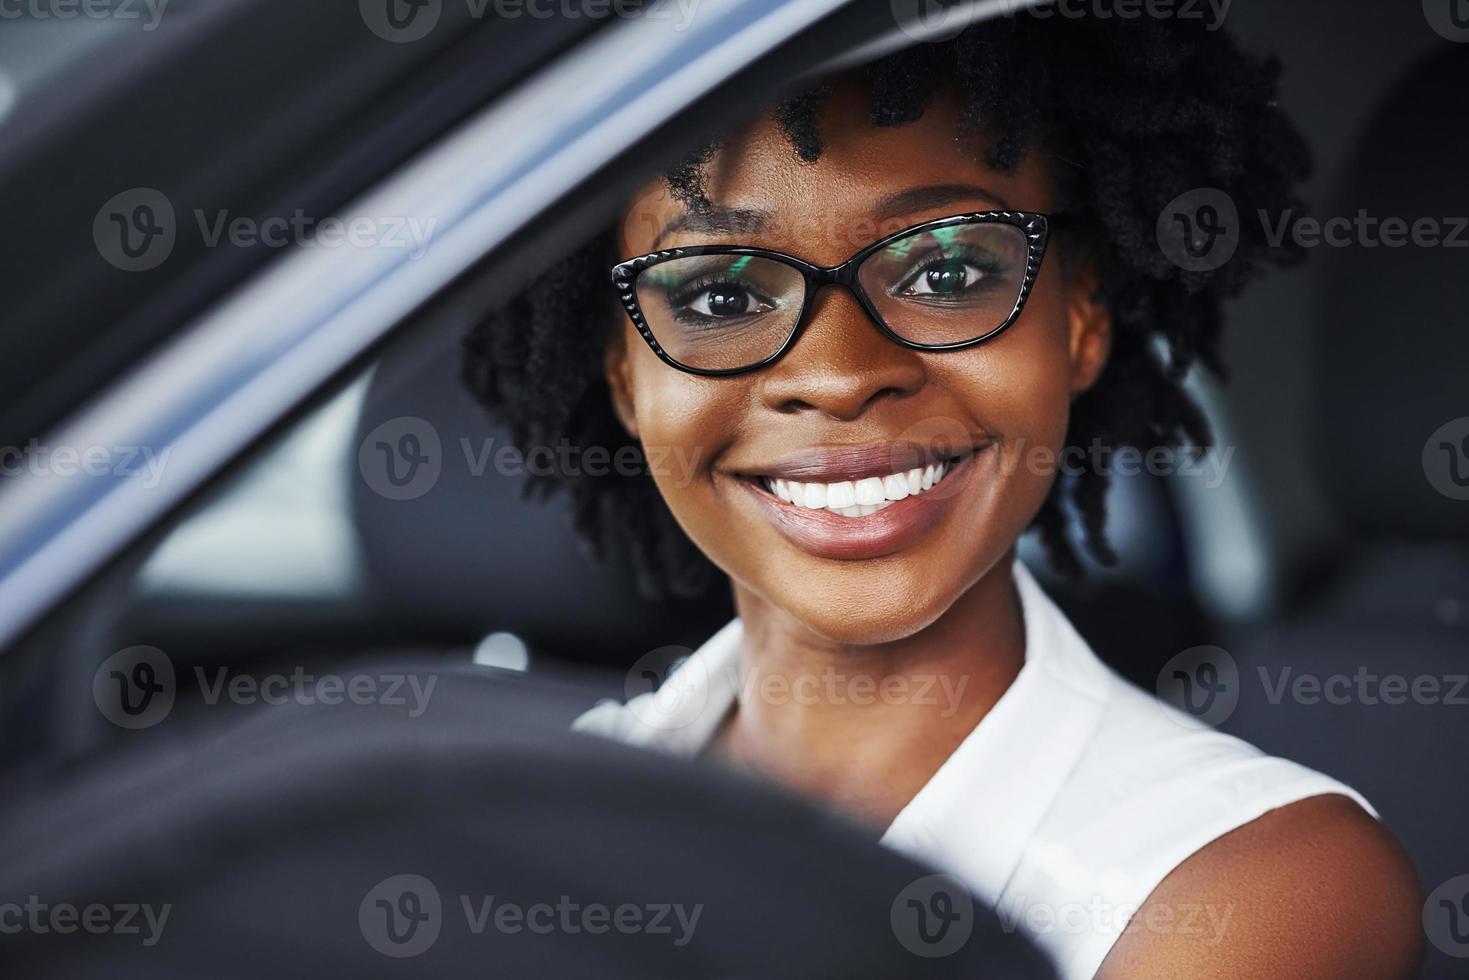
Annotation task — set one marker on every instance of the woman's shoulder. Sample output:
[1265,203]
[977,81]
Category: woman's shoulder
[1174,849]
[1240,863]
[1149,770]
[1314,889]
[1146,767]
[1170,838]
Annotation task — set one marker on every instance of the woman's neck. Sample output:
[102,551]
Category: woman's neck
[865,727]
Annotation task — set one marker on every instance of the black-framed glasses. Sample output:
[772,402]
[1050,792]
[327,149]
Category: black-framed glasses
[944,284]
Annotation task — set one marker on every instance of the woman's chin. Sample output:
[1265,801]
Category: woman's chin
[868,603]
[859,621]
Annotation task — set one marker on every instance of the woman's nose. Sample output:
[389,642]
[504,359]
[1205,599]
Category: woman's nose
[842,364]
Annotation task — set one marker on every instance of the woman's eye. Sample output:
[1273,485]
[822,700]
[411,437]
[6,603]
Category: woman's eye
[726,300]
[945,277]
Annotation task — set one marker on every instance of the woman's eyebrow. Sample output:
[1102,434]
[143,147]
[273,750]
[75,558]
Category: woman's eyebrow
[719,219]
[931,196]
[716,220]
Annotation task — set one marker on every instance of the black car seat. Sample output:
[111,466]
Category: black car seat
[471,554]
[360,841]
[1391,351]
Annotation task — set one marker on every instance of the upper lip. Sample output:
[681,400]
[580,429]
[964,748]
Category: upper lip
[833,464]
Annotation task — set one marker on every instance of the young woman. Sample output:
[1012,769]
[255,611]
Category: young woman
[870,321]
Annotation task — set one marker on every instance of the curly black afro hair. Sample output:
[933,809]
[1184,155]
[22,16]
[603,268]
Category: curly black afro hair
[1130,113]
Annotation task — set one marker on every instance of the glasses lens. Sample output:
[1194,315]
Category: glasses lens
[950,284]
[721,312]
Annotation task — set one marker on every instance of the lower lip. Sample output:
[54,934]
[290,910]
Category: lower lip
[894,528]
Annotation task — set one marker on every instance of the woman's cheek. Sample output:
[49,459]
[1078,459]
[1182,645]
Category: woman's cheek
[675,410]
[1020,394]
[682,427]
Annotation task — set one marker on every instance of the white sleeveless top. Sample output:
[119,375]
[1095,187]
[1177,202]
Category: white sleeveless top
[1065,806]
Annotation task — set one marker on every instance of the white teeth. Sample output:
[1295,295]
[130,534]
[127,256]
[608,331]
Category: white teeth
[841,495]
[858,498]
[862,510]
[869,491]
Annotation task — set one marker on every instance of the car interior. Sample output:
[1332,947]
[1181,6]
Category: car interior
[1320,545]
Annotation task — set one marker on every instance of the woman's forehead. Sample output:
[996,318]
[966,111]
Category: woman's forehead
[759,189]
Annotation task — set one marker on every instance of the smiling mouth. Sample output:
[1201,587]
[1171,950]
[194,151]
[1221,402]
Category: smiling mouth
[858,498]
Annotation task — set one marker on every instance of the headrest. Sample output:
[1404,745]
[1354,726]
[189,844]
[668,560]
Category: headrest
[1391,342]
[453,549]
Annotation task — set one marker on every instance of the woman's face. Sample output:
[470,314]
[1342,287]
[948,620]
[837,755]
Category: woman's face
[846,403]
